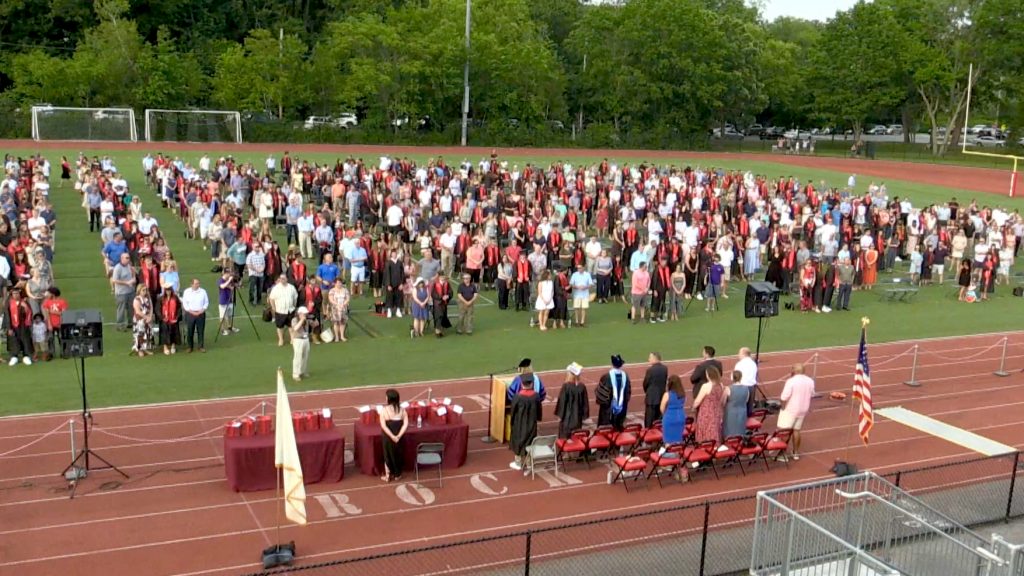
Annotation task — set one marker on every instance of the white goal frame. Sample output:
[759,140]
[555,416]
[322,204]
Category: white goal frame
[237,118]
[133,135]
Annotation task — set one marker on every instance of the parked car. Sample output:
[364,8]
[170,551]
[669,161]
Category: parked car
[894,130]
[555,125]
[728,134]
[977,128]
[346,120]
[795,134]
[878,130]
[771,133]
[316,122]
[754,130]
[988,142]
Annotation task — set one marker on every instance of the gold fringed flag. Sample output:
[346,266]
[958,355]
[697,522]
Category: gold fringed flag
[862,386]
[286,458]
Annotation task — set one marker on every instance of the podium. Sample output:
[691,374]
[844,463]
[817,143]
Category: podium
[498,428]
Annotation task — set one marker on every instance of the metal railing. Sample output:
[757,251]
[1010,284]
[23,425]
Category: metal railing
[863,522]
[710,538]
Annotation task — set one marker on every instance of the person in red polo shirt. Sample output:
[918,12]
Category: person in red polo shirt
[18,326]
[53,310]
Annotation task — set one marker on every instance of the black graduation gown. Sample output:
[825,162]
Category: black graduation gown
[525,414]
[604,402]
[572,409]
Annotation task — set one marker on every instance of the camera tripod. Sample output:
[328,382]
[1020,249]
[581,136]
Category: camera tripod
[231,319]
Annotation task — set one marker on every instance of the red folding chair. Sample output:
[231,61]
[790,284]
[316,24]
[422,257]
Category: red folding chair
[574,445]
[635,465]
[756,420]
[754,448]
[728,453]
[652,436]
[600,442]
[778,443]
[702,454]
[629,438]
[667,463]
[689,432]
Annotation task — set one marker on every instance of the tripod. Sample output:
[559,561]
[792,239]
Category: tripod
[231,319]
[74,472]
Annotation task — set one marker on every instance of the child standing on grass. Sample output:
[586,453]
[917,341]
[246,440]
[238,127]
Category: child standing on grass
[40,338]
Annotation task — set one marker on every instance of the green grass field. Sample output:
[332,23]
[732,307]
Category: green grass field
[239,364]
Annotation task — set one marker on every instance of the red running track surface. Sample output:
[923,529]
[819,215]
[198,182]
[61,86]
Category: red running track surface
[176,515]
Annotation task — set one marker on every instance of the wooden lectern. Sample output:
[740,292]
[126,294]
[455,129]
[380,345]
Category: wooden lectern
[497,428]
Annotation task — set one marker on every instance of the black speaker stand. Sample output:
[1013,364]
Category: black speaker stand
[80,466]
[760,326]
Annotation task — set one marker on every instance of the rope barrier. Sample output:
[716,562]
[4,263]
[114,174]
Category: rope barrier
[971,357]
[36,441]
[198,436]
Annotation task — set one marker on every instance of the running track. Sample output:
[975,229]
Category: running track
[176,515]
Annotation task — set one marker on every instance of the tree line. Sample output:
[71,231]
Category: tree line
[651,72]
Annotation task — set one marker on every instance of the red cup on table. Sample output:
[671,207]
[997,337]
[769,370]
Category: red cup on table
[326,419]
[248,427]
[264,425]
[312,421]
[298,421]
[231,429]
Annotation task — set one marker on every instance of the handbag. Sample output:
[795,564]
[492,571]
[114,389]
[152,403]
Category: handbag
[268,313]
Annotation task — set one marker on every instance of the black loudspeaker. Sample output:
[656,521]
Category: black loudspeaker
[762,300]
[81,334]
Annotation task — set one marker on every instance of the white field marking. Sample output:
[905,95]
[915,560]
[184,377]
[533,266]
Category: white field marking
[464,379]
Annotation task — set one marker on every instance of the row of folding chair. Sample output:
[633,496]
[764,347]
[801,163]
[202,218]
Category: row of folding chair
[742,451]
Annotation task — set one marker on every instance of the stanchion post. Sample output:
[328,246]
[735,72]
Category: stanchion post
[814,373]
[1002,373]
[913,383]
[263,408]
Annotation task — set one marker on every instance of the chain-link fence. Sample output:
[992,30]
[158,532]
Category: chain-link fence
[711,538]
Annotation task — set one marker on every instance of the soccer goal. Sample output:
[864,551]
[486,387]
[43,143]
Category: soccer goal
[193,126]
[60,123]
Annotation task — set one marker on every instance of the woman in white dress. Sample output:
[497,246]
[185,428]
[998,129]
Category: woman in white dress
[266,206]
[545,299]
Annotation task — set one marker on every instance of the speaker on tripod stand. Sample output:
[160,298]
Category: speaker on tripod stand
[81,336]
[762,302]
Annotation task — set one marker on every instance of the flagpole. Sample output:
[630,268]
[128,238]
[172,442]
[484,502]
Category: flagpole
[843,467]
[280,495]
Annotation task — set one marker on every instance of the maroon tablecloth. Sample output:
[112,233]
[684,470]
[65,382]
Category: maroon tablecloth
[249,460]
[369,452]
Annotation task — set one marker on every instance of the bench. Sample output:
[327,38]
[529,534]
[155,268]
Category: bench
[898,294]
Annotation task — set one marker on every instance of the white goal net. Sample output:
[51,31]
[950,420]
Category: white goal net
[60,123]
[193,126]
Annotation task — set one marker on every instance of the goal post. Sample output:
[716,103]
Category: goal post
[71,123]
[164,125]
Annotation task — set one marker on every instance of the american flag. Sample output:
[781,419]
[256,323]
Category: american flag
[862,389]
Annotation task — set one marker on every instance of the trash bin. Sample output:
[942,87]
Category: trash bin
[870,150]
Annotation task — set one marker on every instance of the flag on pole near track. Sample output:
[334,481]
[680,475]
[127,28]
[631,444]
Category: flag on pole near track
[862,387]
[286,457]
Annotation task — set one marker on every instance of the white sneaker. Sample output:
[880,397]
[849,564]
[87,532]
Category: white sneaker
[389,312]
[515,465]
[826,309]
[398,313]
[13,362]
[700,296]
[26,361]
[235,330]
[224,332]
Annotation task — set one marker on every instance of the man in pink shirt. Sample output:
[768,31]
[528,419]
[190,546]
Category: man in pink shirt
[797,394]
[640,287]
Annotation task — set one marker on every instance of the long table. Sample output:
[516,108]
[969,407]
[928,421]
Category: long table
[369,452]
[249,460]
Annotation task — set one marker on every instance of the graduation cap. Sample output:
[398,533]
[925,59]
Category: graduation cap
[617,361]
[525,363]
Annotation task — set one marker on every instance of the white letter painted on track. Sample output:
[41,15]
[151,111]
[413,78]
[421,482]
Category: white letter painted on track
[477,481]
[337,505]
[415,494]
[559,481]
[484,400]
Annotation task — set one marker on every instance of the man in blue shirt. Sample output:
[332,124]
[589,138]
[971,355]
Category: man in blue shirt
[581,283]
[112,250]
[358,268]
[714,289]
[327,272]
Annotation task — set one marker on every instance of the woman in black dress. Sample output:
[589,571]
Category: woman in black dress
[393,422]
[964,278]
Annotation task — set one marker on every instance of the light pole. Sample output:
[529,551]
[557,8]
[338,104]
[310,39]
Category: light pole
[465,80]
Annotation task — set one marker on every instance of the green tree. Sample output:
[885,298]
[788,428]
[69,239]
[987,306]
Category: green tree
[266,73]
[855,72]
[171,78]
